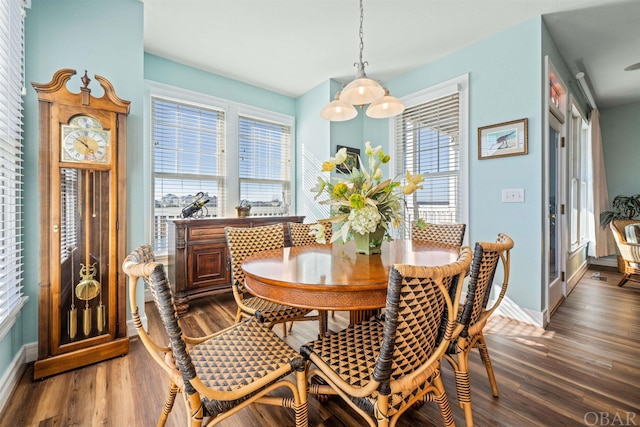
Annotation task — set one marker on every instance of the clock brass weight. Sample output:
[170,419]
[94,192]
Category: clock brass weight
[82,184]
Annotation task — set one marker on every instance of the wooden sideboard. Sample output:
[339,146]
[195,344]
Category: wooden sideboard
[199,264]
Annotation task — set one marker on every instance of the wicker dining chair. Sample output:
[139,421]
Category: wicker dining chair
[221,373]
[385,364]
[443,233]
[243,242]
[629,248]
[473,316]
[299,233]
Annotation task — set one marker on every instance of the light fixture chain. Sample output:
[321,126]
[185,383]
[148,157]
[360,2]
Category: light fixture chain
[360,65]
[361,31]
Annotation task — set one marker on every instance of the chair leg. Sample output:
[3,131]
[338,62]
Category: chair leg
[168,404]
[440,398]
[195,410]
[302,411]
[238,315]
[624,279]
[486,360]
[463,387]
[381,411]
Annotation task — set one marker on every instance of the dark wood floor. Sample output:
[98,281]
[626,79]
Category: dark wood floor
[584,369]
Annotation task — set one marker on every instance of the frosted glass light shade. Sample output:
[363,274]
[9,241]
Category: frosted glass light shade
[385,107]
[362,91]
[338,111]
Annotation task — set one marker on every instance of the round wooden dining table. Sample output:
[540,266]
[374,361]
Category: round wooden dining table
[335,277]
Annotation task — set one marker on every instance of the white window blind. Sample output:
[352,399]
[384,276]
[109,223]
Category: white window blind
[427,139]
[11,89]
[188,158]
[264,165]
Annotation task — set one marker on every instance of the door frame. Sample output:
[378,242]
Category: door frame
[555,115]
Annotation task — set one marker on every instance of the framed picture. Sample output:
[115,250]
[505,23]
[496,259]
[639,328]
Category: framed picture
[503,139]
[352,159]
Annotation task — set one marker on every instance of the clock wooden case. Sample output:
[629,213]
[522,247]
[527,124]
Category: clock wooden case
[82,182]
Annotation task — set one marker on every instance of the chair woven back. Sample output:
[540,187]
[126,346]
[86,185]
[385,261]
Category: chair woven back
[417,300]
[244,242]
[618,229]
[444,233]
[140,263]
[299,233]
[486,257]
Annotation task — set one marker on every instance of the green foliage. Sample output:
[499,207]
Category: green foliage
[624,207]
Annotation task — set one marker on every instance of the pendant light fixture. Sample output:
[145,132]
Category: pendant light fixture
[362,91]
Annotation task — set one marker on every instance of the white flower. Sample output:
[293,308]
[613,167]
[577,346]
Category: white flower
[371,151]
[364,220]
[340,158]
[317,231]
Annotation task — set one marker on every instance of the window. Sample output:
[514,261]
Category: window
[264,166]
[11,89]
[428,139]
[188,158]
[227,152]
[579,176]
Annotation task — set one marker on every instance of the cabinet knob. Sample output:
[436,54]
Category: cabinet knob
[55,228]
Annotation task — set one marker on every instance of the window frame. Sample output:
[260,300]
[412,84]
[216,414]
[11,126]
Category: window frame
[461,86]
[232,110]
[577,117]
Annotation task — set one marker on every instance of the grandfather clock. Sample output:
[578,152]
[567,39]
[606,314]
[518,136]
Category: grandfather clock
[82,181]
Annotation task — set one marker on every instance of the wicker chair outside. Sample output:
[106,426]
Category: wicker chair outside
[630,252]
[299,233]
[221,373]
[474,314]
[443,233]
[243,242]
[384,365]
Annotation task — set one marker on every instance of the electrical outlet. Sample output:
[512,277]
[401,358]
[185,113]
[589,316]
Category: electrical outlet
[513,195]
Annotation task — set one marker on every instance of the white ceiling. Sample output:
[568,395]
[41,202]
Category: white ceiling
[290,46]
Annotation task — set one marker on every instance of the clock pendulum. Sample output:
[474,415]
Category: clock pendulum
[88,288]
[73,312]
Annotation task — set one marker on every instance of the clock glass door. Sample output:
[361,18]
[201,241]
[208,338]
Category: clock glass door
[84,305]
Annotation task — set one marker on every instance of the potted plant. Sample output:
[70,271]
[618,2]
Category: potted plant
[244,208]
[624,207]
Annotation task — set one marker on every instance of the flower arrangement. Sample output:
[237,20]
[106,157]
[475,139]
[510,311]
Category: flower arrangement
[361,201]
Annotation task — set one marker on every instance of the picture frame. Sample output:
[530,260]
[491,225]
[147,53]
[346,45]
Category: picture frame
[352,159]
[503,139]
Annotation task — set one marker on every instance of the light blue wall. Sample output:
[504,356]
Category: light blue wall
[112,46]
[505,75]
[178,75]
[312,136]
[620,127]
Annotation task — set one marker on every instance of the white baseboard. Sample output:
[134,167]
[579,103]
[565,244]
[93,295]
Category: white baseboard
[28,353]
[510,309]
[606,261]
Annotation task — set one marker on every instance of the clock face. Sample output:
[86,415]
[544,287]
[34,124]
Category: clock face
[84,140]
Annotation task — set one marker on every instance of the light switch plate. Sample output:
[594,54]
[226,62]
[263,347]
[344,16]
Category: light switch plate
[513,195]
